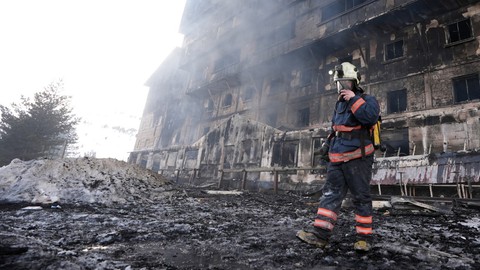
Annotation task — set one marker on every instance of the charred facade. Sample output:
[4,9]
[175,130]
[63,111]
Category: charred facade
[249,89]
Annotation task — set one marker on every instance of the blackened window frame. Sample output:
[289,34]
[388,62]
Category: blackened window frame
[397,101]
[285,154]
[455,26]
[306,77]
[227,100]
[226,60]
[303,117]
[471,84]
[271,119]
[276,85]
[278,35]
[397,47]
[398,141]
[343,6]
[210,106]
[248,94]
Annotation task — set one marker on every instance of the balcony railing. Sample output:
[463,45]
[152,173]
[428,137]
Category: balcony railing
[222,74]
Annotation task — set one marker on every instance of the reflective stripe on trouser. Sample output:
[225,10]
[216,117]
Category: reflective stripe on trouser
[364,225]
[327,213]
[323,224]
[325,219]
[354,175]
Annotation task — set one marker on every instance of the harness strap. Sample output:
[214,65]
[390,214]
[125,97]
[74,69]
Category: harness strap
[362,144]
[354,134]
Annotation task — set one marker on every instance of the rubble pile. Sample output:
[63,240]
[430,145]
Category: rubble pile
[194,228]
[79,180]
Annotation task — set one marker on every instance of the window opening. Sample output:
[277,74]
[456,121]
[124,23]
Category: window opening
[227,101]
[459,31]
[272,119]
[395,140]
[466,88]
[275,85]
[394,50]
[304,117]
[285,154]
[227,60]
[248,94]
[306,77]
[210,106]
[397,101]
[338,7]
[191,154]
[278,35]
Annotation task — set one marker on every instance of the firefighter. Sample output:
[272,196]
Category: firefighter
[350,152]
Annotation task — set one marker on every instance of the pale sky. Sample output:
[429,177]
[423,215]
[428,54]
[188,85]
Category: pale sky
[103,50]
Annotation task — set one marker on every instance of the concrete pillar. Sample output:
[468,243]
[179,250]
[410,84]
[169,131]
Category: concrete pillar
[139,158]
[427,77]
[150,161]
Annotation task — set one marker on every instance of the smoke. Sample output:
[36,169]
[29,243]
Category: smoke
[238,57]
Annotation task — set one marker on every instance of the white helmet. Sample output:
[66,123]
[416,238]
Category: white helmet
[345,72]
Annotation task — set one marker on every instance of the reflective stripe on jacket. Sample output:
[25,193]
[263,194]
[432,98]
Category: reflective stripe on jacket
[346,156]
[359,112]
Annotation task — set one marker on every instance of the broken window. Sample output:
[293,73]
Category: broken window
[156,166]
[285,154]
[306,77]
[304,117]
[466,88]
[271,119]
[227,60]
[248,94]
[339,7]
[143,161]
[396,142]
[191,154]
[459,31]
[177,137]
[210,105]
[227,101]
[275,85]
[278,35]
[247,149]
[394,50]
[397,101]
[228,156]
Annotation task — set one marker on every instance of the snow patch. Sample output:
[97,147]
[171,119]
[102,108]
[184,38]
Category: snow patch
[473,223]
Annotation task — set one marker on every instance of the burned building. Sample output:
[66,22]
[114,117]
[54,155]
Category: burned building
[248,99]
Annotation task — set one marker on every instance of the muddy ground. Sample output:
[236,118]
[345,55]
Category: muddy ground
[192,229]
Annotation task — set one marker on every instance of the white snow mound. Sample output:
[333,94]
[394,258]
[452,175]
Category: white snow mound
[79,180]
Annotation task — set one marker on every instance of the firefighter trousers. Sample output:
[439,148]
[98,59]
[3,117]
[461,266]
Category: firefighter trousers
[354,175]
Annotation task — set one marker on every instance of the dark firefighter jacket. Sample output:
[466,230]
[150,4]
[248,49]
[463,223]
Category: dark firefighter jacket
[353,117]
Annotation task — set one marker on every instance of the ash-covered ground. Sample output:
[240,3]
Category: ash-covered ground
[106,214]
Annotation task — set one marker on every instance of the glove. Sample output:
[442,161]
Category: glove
[323,151]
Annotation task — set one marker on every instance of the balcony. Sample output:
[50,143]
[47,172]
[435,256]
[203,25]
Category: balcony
[217,81]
